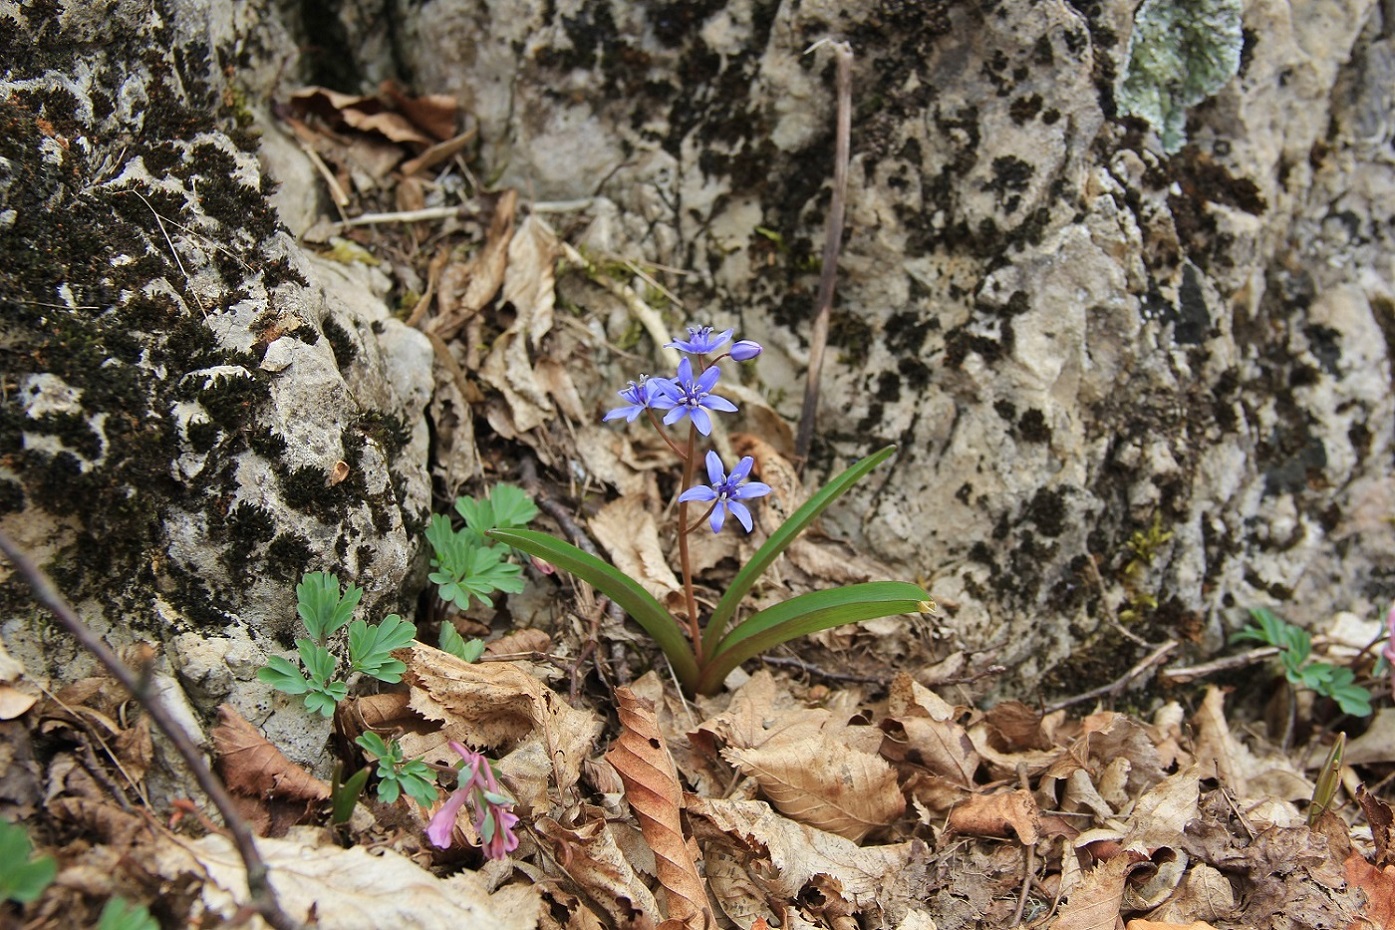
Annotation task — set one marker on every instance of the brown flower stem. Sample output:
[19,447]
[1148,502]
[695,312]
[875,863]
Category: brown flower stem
[689,460]
[659,428]
[833,243]
[259,887]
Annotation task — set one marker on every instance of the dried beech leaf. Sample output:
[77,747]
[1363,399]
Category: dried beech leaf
[1094,903]
[641,757]
[940,746]
[763,711]
[530,283]
[467,288]
[626,530]
[1006,815]
[870,875]
[595,862]
[346,889]
[822,782]
[736,893]
[251,765]
[492,704]
[435,113]
[516,642]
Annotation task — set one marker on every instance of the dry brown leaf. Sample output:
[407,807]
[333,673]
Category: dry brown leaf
[467,288]
[492,704]
[1380,817]
[627,532]
[1008,815]
[762,711]
[1015,727]
[366,114]
[1379,886]
[940,746]
[641,757]
[1154,925]
[517,642]
[887,878]
[14,702]
[590,856]
[1204,894]
[820,781]
[347,889]
[1377,744]
[530,281]
[252,766]
[1094,903]
[437,114]
[735,892]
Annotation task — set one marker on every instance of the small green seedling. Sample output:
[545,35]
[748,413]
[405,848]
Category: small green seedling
[1329,780]
[120,914]
[467,564]
[1295,653]
[325,610]
[344,793]
[397,776]
[23,876]
[451,641]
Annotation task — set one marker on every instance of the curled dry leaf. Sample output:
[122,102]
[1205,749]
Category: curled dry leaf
[821,781]
[467,288]
[641,757]
[888,878]
[276,792]
[590,856]
[1094,903]
[517,642]
[492,704]
[1006,815]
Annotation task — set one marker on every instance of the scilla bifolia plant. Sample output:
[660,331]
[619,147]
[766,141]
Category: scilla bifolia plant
[703,654]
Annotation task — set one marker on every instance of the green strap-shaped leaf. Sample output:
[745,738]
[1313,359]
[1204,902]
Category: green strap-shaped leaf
[618,586]
[805,614]
[778,541]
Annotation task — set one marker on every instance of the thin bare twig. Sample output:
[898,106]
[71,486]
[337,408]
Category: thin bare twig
[1227,664]
[259,887]
[1114,687]
[832,244]
[1030,855]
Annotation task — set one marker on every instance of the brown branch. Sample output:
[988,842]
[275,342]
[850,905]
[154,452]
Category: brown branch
[258,886]
[1114,687]
[832,244]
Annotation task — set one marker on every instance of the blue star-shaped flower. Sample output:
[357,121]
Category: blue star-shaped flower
[727,491]
[641,395]
[700,341]
[689,396]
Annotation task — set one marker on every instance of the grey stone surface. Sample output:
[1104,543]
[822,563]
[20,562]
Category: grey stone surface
[171,469]
[1070,334]
[1084,347]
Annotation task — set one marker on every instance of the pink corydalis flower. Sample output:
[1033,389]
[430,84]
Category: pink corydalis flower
[494,818]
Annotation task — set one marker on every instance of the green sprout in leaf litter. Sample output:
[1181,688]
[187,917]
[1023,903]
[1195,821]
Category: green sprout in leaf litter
[23,876]
[1295,647]
[397,776]
[120,914]
[704,653]
[451,641]
[324,610]
[465,562]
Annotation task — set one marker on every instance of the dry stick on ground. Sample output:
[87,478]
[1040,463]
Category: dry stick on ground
[832,243]
[1114,687]
[258,886]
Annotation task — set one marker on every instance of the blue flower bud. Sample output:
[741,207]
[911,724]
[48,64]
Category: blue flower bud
[745,350]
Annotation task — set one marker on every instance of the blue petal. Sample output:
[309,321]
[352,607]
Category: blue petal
[752,489]
[708,378]
[674,415]
[719,513]
[685,373]
[742,513]
[742,469]
[700,493]
[701,420]
[713,402]
[715,472]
